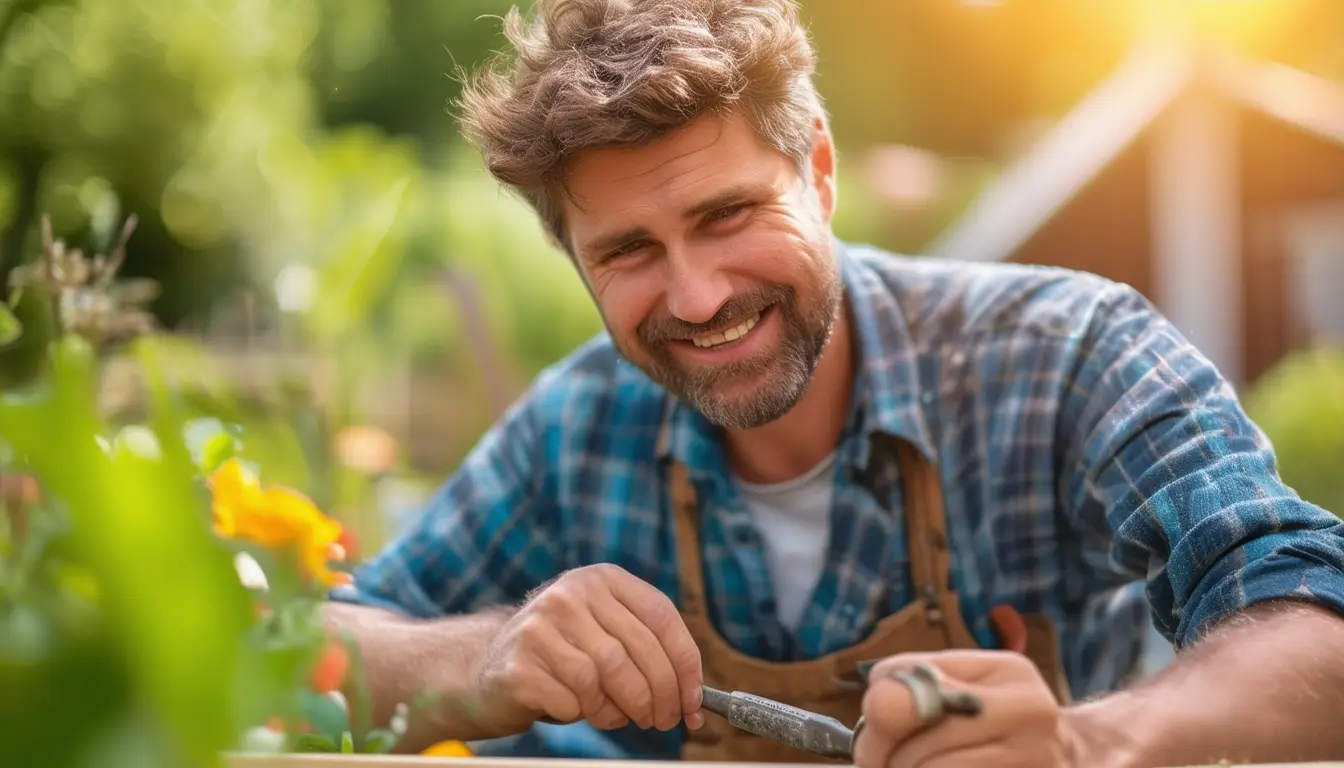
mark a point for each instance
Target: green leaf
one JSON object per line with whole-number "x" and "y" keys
{"x": 347, "y": 744}
{"x": 379, "y": 741}
{"x": 211, "y": 442}
{"x": 26, "y": 635}
{"x": 218, "y": 450}
{"x": 10, "y": 327}
{"x": 363, "y": 263}
{"x": 313, "y": 742}
{"x": 135, "y": 518}
{"x": 325, "y": 715}
{"x": 361, "y": 703}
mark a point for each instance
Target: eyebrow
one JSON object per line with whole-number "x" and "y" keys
{"x": 723, "y": 198}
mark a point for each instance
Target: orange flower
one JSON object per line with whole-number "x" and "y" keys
{"x": 275, "y": 518}
{"x": 448, "y": 749}
{"x": 331, "y": 667}
{"x": 348, "y": 543}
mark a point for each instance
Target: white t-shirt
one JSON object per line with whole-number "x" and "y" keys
{"x": 793, "y": 518}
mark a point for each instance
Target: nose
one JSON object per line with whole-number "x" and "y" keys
{"x": 696, "y": 287}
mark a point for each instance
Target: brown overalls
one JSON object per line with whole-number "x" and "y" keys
{"x": 933, "y": 624}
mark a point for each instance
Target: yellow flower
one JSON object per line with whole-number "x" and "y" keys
{"x": 275, "y": 518}
{"x": 448, "y": 749}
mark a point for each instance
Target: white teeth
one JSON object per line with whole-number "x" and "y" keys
{"x": 732, "y": 334}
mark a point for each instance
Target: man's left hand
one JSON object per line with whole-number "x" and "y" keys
{"x": 1019, "y": 723}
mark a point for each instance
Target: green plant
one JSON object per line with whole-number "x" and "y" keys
{"x": 131, "y": 632}
{"x": 1300, "y": 405}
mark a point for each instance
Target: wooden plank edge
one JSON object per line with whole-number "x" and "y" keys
{"x": 239, "y": 760}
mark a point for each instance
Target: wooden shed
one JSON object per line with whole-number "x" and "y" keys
{"x": 1211, "y": 183}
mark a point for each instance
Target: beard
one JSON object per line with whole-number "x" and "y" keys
{"x": 785, "y": 372}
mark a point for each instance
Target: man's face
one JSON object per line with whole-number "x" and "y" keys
{"x": 710, "y": 259}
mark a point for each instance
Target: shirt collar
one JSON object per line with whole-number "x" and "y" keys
{"x": 886, "y": 396}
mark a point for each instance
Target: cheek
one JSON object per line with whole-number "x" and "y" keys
{"x": 783, "y": 254}
{"x": 626, "y": 297}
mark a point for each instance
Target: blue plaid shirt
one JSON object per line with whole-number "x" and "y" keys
{"x": 1086, "y": 449}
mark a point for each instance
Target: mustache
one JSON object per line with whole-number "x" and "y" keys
{"x": 663, "y": 328}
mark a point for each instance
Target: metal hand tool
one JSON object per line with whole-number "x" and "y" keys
{"x": 824, "y": 735}
{"x": 798, "y": 728}
{"x": 821, "y": 734}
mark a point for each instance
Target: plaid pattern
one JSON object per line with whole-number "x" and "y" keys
{"x": 1086, "y": 450}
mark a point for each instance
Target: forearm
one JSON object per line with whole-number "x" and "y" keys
{"x": 405, "y": 658}
{"x": 1264, "y": 687}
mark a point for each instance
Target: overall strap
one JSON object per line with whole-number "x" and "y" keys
{"x": 926, "y": 528}
{"x": 686, "y": 514}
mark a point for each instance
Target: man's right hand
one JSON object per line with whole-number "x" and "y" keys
{"x": 596, "y": 644}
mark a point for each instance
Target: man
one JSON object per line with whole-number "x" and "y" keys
{"x": 789, "y": 455}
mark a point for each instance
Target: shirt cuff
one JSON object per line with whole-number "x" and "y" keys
{"x": 387, "y": 584}
{"x": 580, "y": 741}
{"x": 1304, "y": 566}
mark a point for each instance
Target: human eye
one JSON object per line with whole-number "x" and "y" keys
{"x": 623, "y": 250}
{"x": 726, "y": 213}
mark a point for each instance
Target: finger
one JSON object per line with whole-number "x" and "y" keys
{"x": 872, "y": 749}
{"x": 889, "y": 706}
{"x": 655, "y": 611}
{"x": 543, "y": 692}
{"x": 910, "y": 743}
{"x": 648, "y": 655}
{"x": 609, "y": 718}
{"x": 1008, "y": 715}
{"x": 577, "y": 672}
{"x": 992, "y": 755}
{"x": 970, "y": 666}
{"x": 618, "y": 675}
{"x": 951, "y": 737}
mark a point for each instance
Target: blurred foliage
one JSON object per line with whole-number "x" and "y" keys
{"x": 220, "y": 124}
{"x": 131, "y": 632}
{"x": 1300, "y": 405}
{"x": 157, "y": 106}
{"x": 123, "y": 620}
{"x": 303, "y": 195}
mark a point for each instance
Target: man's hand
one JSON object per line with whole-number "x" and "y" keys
{"x": 596, "y": 644}
{"x": 1019, "y": 724}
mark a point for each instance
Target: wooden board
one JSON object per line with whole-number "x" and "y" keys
{"x": 382, "y": 761}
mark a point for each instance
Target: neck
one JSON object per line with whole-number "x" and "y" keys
{"x": 800, "y": 439}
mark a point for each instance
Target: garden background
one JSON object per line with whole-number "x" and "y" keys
{"x": 342, "y": 285}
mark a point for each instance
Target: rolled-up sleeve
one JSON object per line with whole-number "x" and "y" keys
{"x": 485, "y": 538}
{"x": 1169, "y": 480}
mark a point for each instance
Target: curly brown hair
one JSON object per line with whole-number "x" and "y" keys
{"x": 614, "y": 73}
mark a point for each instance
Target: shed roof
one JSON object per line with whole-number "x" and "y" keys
{"x": 1112, "y": 118}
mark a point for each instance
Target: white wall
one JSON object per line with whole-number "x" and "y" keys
{"x": 1314, "y": 244}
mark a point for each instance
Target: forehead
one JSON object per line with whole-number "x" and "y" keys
{"x": 710, "y": 153}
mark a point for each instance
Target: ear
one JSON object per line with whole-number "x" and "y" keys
{"x": 823, "y": 167}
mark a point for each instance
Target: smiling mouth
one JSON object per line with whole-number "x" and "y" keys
{"x": 726, "y": 336}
